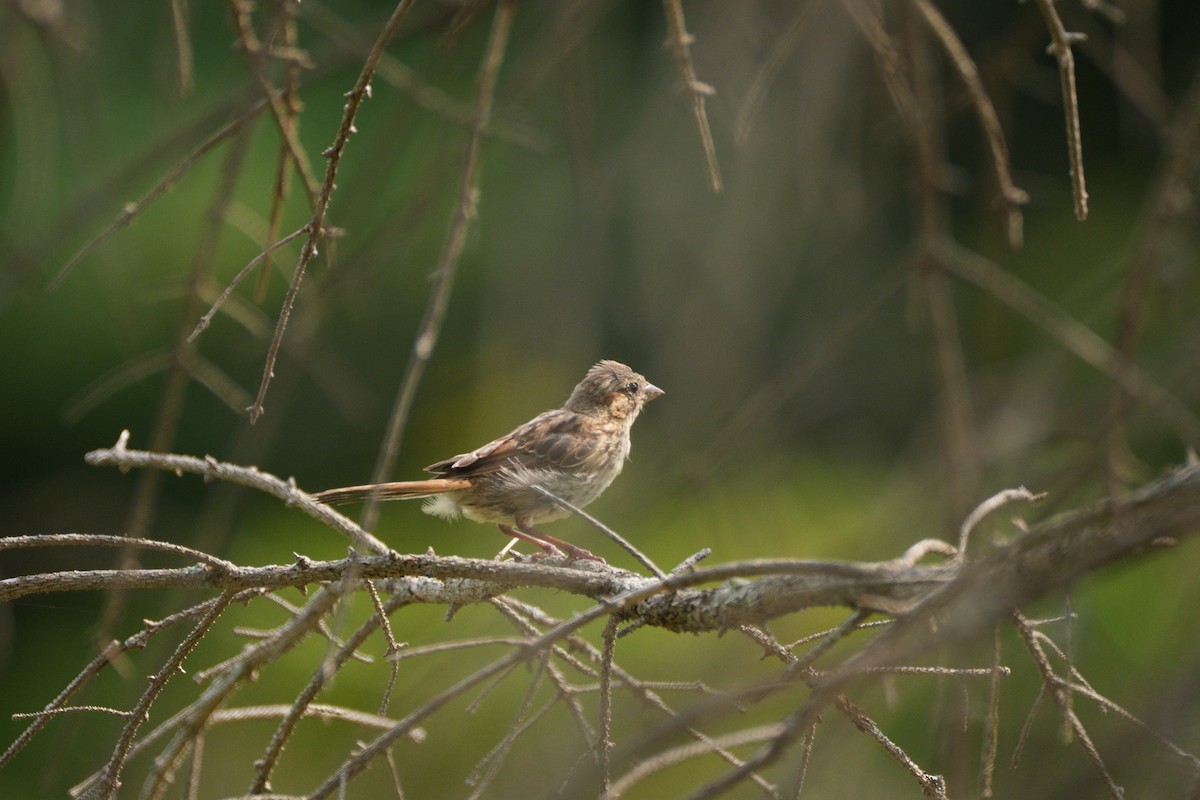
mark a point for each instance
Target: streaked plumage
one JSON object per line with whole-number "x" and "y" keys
{"x": 573, "y": 452}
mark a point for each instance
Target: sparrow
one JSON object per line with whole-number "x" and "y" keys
{"x": 573, "y": 453}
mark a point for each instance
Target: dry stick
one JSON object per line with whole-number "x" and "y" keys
{"x": 109, "y": 779}
{"x": 932, "y": 785}
{"x": 207, "y": 319}
{"x": 991, "y": 730}
{"x": 195, "y": 764}
{"x": 1012, "y": 196}
{"x": 291, "y": 121}
{"x": 131, "y": 210}
{"x": 604, "y": 744}
{"x": 183, "y": 46}
{"x": 1081, "y": 687}
{"x": 359, "y": 761}
{"x": 192, "y": 720}
{"x": 1075, "y": 337}
{"x": 316, "y": 225}
{"x": 447, "y": 265}
{"x": 121, "y": 456}
{"x": 1058, "y": 695}
{"x": 992, "y": 504}
{"x": 97, "y": 664}
{"x": 680, "y": 41}
{"x": 677, "y": 755}
{"x": 252, "y": 51}
{"x": 1060, "y": 47}
{"x": 607, "y": 531}
{"x": 116, "y": 712}
{"x": 425, "y": 95}
{"x": 100, "y": 540}
{"x": 300, "y": 706}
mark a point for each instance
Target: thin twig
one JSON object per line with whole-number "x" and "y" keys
{"x": 316, "y": 225}
{"x": 604, "y": 744}
{"x": 183, "y": 46}
{"x": 991, "y": 728}
{"x": 680, "y": 41}
{"x": 607, "y": 531}
{"x": 102, "y": 660}
{"x": 132, "y": 210}
{"x": 1060, "y": 48}
{"x": 1059, "y": 696}
{"x": 100, "y": 540}
{"x": 207, "y": 319}
{"x": 324, "y": 673}
{"x": 121, "y": 456}
{"x": 1010, "y": 195}
{"x": 290, "y": 104}
{"x": 993, "y": 503}
{"x": 770, "y": 68}
{"x": 110, "y": 777}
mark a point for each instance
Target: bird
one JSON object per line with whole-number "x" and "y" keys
{"x": 572, "y": 453}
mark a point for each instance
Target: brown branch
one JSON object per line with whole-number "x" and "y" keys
{"x": 183, "y": 46}
{"x": 301, "y": 706}
{"x": 290, "y": 121}
{"x": 210, "y": 468}
{"x": 680, "y": 41}
{"x": 1061, "y": 697}
{"x": 316, "y": 225}
{"x": 102, "y": 660}
{"x": 132, "y": 210}
{"x": 1060, "y": 48}
{"x": 107, "y": 781}
{"x": 1010, "y": 195}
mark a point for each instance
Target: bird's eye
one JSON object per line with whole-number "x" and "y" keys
{"x": 632, "y": 387}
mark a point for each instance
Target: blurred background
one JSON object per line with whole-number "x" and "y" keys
{"x": 838, "y": 384}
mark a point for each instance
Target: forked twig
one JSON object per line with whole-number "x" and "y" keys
{"x": 316, "y": 225}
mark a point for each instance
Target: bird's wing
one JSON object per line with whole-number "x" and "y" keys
{"x": 553, "y": 439}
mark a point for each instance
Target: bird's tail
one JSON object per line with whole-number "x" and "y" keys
{"x": 399, "y": 490}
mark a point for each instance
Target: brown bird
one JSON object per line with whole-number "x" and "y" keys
{"x": 573, "y": 452}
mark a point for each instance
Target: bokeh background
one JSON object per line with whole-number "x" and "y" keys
{"x": 808, "y": 414}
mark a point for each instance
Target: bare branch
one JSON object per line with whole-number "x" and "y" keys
{"x": 316, "y": 225}
{"x": 680, "y": 42}
{"x": 1060, "y": 47}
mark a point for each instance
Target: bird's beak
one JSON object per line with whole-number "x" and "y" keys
{"x": 653, "y": 391}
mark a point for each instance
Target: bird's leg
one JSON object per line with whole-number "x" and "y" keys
{"x": 549, "y": 548}
{"x": 551, "y": 545}
{"x": 544, "y": 539}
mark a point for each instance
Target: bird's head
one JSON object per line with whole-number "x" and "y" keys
{"x": 612, "y": 389}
